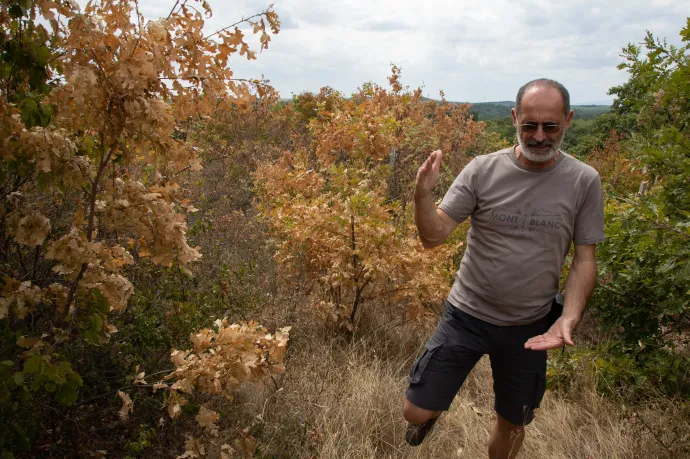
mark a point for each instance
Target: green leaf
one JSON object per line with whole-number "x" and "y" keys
{"x": 54, "y": 374}
{"x": 90, "y": 336}
{"x": 29, "y": 108}
{"x": 19, "y": 378}
{"x": 67, "y": 395}
{"x": 37, "y": 80}
{"x": 101, "y": 302}
{"x": 75, "y": 379}
{"x": 42, "y": 55}
{"x": 33, "y": 364}
{"x": 46, "y": 115}
{"x": 96, "y": 322}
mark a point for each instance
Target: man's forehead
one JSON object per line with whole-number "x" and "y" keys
{"x": 542, "y": 99}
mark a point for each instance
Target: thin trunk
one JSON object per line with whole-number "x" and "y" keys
{"x": 358, "y": 301}
{"x": 89, "y": 230}
{"x": 358, "y": 292}
{"x": 354, "y": 254}
{"x": 355, "y": 306}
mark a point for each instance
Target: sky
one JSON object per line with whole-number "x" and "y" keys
{"x": 473, "y": 50}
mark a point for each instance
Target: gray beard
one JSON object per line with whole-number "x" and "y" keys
{"x": 541, "y": 157}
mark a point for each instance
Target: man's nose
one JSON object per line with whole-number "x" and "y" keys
{"x": 539, "y": 135}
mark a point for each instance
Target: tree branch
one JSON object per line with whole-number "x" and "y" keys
{"x": 354, "y": 253}
{"x": 177, "y": 2}
{"x": 237, "y": 23}
{"x": 358, "y": 301}
{"x": 105, "y": 159}
{"x": 193, "y": 77}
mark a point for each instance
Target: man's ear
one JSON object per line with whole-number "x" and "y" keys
{"x": 569, "y": 119}
{"x": 514, "y": 115}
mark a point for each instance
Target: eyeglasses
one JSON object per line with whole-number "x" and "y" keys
{"x": 549, "y": 128}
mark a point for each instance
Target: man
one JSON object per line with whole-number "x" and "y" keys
{"x": 527, "y": 204}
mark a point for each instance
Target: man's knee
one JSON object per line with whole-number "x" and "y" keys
{"x": 416, "y": 415}
{"x": 506, "y": 426}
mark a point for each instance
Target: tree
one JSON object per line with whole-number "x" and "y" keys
{"x": 645, "y": 265}
{"x": 341, "y": 214}
{"x": 89, "y": 126}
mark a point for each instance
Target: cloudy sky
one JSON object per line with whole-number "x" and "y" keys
{"x": 474, "y": 50}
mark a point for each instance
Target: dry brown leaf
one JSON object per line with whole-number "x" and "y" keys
{"x": 207, "y": 419}
{"x": 33, "y": 229}
{"x": 224, "y": 359}
{"x": 193, "y": 448}
{"x": 245, "y": 446}
{"x": 175, "y": 404}
{"x": 226, "y": 452}
{"x": 139, "y": 376}
{"x": 27, "y": 342}
{"x": 159, "y": 385}
{"x": 127, "y": 405}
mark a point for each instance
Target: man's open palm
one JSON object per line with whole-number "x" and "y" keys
{"x": 557, "y": 336}
{"x": 427, "y": 175}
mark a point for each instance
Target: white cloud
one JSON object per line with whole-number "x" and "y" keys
{"x": 474, "y": 50}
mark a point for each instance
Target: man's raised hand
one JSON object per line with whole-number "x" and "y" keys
{"x": 428, "y": 173}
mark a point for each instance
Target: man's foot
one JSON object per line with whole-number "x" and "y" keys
{"x": 416, "y": 432}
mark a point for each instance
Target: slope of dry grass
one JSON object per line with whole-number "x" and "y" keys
{"x": 342, "y": 399}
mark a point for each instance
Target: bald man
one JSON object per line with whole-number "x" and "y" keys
{"x": 527, "y": 204}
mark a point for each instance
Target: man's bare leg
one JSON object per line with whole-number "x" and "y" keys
{"x": 416, "y": 415}
{"x": 420, "y": 421}
{"x": 506, "y": 439}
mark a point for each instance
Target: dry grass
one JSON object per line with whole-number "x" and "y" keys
{"x": 343, "y": 399}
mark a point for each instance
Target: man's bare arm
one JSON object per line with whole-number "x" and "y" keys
{"x": 578, "y": 289}
{"x": 581, "y": 281}
{"x": 433, "y": 224}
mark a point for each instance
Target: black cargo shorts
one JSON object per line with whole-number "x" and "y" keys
{"x": 459, "y": 342}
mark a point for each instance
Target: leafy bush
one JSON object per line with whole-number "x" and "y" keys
{"x": 644, "y": 296}
{"x": 90, "y": 114}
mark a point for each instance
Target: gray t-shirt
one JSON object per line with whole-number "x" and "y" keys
{"x": 522, "y": 223}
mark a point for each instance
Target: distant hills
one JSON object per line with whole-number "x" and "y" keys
{"x": 485, "y": 111}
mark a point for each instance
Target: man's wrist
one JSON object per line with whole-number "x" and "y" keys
{"x": 573, "y": 306}
{"x": 572, "y": 316}
{"x": 420, "y": 195}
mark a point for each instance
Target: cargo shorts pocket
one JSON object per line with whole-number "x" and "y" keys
{"x": 419, "y": 366}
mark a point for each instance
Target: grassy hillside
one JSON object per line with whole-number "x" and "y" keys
{"x": 345, "y": 401}
{"x": 485, "y": 111}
